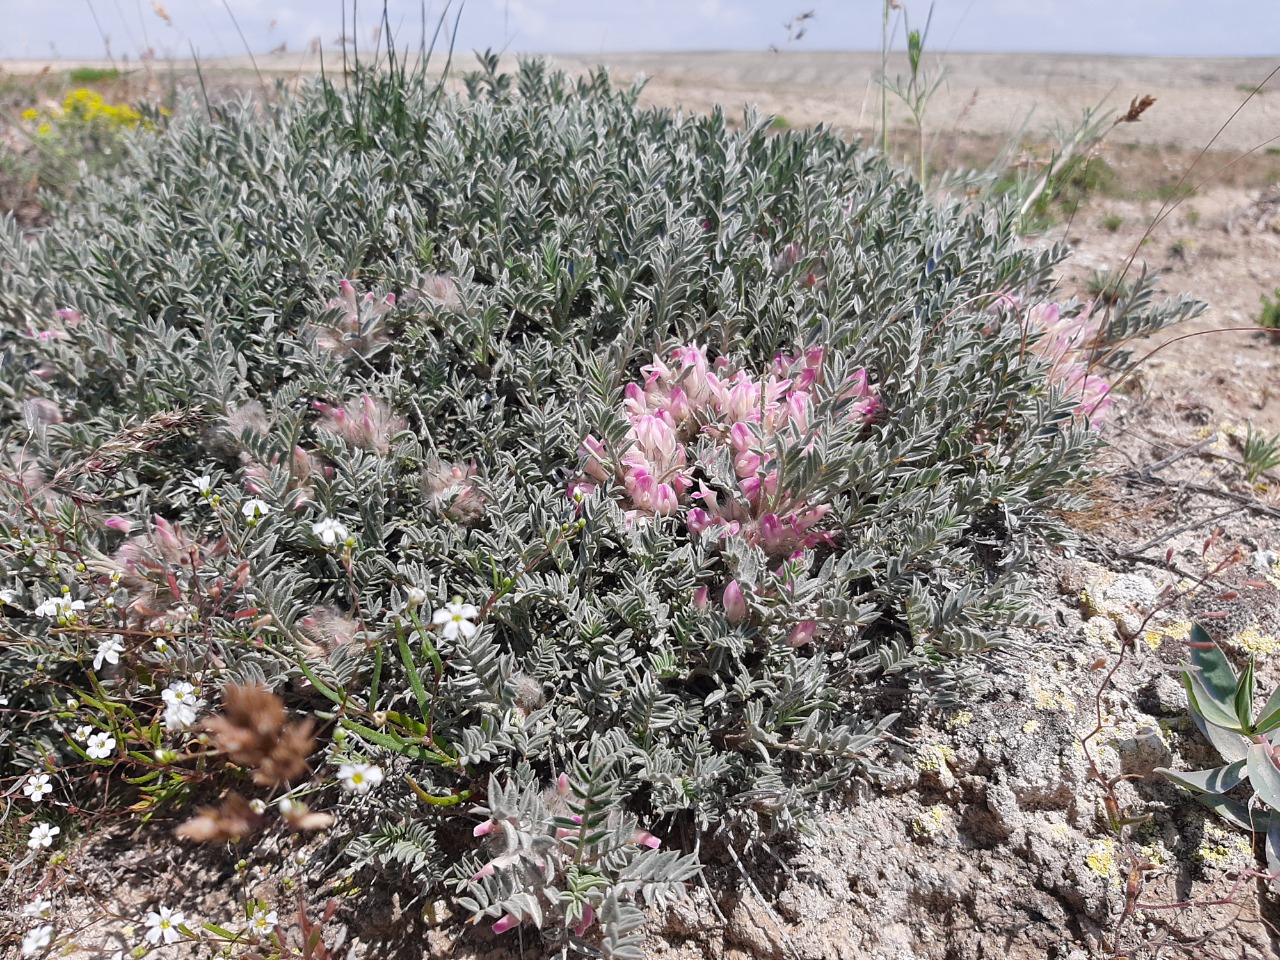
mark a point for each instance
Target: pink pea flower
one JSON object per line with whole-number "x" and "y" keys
{"x": 506, "y": 923}
{"x": 735, "y": 604}
{"x": 588, "y": 918}
{"x": 802, "y": 633}
{"x": 644, "y": 838}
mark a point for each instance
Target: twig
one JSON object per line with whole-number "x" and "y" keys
{"x": 1170, "y": 534}
{"x": 1252, "y": 504}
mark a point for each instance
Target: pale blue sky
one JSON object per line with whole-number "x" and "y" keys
{"x": 73, "y": 28}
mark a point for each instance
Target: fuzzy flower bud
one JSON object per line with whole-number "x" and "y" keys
{"x": 735, "y": 604}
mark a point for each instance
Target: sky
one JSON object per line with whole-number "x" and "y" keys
{"x": 76, "y": 28}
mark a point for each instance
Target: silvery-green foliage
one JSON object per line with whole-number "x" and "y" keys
{"x": 543, "y": 238}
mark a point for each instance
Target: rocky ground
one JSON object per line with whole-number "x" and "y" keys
{"x": 994, "y": 832}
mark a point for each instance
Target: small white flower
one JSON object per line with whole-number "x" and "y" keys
{"x": 330, "y": 531}
{"x": 101, "y": 746}
{"x": 258, "y": 805}
{"x": 4, "y": 701}
{"x": 456, "y": 618}
{"x": 37, "y": 786}
{"x": 62, "y": 609}
{"x": 73, "y": 703}
{"x": 163, "y": 925}
{"x": 161, "y": 645}
{"x": 182, "y": 703}
{"x": 262, "y": 922}
{"x": 7, "y": 597}
{"x": 415, "y": 596}
{"x": 83, "y": 732}
{"x": 42, "y": 835}
{"x": 254, "y": 510}
{"x": 203, "y": 485}
{"x": 109, "y": 650}
{"x": 37, "y": 940}
{"x": 38, "y": 909}
{"x": 359, "y": 777}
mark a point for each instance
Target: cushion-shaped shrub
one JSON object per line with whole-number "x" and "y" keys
{"x": 592, "y": 471}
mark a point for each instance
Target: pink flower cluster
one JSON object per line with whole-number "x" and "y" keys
{"x": 360, "y": 325}
{"x": 365, "y": 422}
{"x": 1068, "y": 344}
{"x": 687, "y": 399}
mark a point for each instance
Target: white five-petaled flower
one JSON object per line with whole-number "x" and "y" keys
{"x": 163, "y": 925}
{"x": 7, "y": 597}
{"x": 359, "y": 777}
{"x": 101, "y": 746}
{"x": 109, "y": 650}
{"x": 456, "y": 618}
{"x": 42, "y": 835}
{"x": 255, "y": 509}
{"x": 37, "y": 941}
{"x": 37, "y": 786}
{"x": 37, "y": 909}
{"x": 182, "y": 703}
{"x": 415, "y": 596}
{"x": 262, "y": 922}
{"x": 330, "y": 531}
{"x": 83, "y": 732}
{"x": 63, "y": 609}
{"x": 203, "y": 485}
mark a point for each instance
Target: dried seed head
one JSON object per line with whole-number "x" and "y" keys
{"x": 252, "y": 731}
{"x": 1137, "y": 107}
{"x": 232, "y": 819}
{"x": 298, "y": 816}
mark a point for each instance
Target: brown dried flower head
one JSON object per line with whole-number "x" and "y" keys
{"x": 252, "y": 730}
{"x": 298, "y": 816}
{"x": 231, "y": 820}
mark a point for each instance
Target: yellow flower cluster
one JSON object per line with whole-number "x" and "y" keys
{"x": 86, "y": 106}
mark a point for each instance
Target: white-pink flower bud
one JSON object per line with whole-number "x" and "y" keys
{"x": 802, "y": 633}
{"x": 735, "y": 604}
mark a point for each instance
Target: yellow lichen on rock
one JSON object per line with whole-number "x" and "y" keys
{"x": 930, "y": 821}
{"x": 1101, "y": 859}
{"x": 1257, "y": 642}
